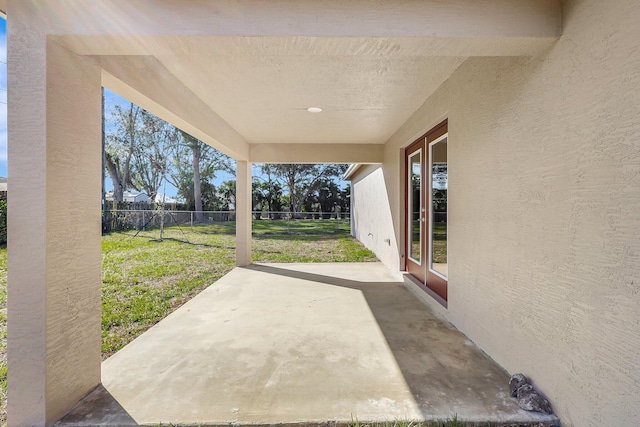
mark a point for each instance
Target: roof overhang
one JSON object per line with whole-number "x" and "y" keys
{"x": 353, "y": 168}
{"x": 240, "y": 74}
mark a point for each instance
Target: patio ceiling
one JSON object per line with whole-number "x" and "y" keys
{"x": 242, "y": 74}
{"x": 364, "y": 98}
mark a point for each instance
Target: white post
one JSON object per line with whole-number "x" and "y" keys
{"x": 243, "y": 213}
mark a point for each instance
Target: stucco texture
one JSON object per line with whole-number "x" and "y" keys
{"x": 372, "y": 222}
{"x": 55, "y": 260}
{"x": 544, "y": 195}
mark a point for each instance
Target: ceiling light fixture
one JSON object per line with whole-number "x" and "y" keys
{"x": 314, "y": 109}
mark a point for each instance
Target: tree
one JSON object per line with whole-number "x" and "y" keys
{"x": 345, "y": 198}
{"x": 136, "y": 147}
{"x": 195, "y": 163}
{"x": 227, "y": 194}
{"x": 301, "y": 179}
{"x": 210, "y": 199}
{"x": 267, "y": 195}
{"x": 197, "y": 149}
{"x": 267, "y": 192}
{"x": 120, "y": 145}
{"x": 151, "y": 153}
{"x": 328, "y": 195}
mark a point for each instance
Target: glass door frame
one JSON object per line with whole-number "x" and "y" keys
{"x": 430, "y": 217}
{"x": 416, "y": 268}
{"x": 433, "y": 283}
{"x": 410, "y": 202}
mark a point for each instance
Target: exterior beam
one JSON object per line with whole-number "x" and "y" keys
{"x": 168, "y": 48}
{"x": 318, "y": 18}
{"x": 243, "y": 213}
{"x": 317, "y": 153}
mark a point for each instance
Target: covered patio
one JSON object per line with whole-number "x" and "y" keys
{"x": 301, "y": 344}
{"x": 540, "y": 100}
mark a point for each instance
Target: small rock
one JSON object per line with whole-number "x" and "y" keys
{"x": 517, "y": 381}
{"x": 530, "y": 400}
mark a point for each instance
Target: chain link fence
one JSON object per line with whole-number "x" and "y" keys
{"x": 123, "y": 220}
{"x": 3, "y": 222}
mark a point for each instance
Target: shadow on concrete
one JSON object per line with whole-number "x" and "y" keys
{"x": 99, "y": 404}
{"x": 447, "y": 374}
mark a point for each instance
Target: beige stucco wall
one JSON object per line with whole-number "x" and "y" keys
{"x": 372, "y": 223}
{"x": 544, "y": 188}
{"x": 54, "y": 273}
{"x": 243, "y": 213}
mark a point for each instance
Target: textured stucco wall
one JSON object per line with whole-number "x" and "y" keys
{"x": 26, "y": 311}
{"x": 243, "y": 213}
{"x": 371, "y": 215}
{"x": 54, "y": 226}
{"x": 544, "y": 237}
{"x": 74, "y": 250}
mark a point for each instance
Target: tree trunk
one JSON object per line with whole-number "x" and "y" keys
{"x": 118, "y": 166}
{"x": 118, "y": 187}
{"x": 292, "y": 193}
{"x": 126, "y": 173}
{"x": 197, "y": 192}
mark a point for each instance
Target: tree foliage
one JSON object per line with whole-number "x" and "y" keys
{"x": 300, "y": 180}
{"x": 142, "y": 150}
{"x": 151, "y": 153}
{"x": 136, "y": 147}
{"x": 195, "y": 165}
{"x": 326, "y": 196}
{"x": 227, "y": 195}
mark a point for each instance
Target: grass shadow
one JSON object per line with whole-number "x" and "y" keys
{"x": 187, "y": 242}
{"x": 303, "y": 237}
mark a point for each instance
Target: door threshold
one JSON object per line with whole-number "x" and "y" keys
{"x": 411, "y": 280}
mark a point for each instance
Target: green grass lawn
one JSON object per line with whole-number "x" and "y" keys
{"x": 144, "y": 280}
{"x": 440, "y": 242}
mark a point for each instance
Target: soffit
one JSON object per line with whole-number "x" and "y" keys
{"x": 365, "y": 98}
{"x": 262, "y": 87}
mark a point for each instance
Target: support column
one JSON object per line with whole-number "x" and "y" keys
{"x": 54, "y": 226}
{"x": 243, "y": 213}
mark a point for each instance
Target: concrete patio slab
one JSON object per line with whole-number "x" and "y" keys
{"x": 301, "y": 343}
